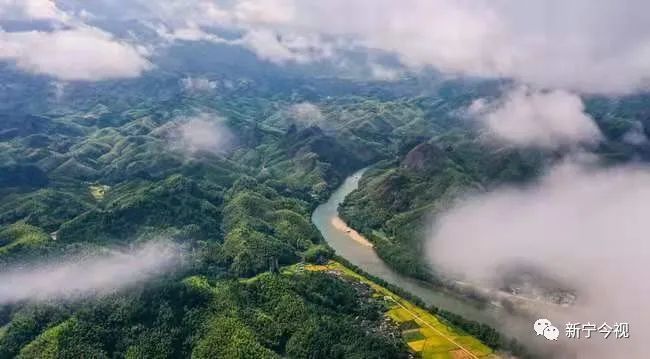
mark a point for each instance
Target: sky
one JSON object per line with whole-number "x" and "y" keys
{"x": 580, "y": 215}
{"x": 553, "y": 51}
{"x": 581, "y": 45}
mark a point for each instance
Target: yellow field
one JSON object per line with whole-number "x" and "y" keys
{"x": 425, "y": 334}
{"x": 98, "y": 191}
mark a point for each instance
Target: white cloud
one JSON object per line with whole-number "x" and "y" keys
{"x": 575, "y": 45}
{"x": 199, "y": 84}
{"x": 306, "y": 113}
{"x": 192, "y": 34}
{"x": 582, "y": 225}
{"x": 189, "y": 32}
{"x": 384, "y": 73}
{"x": 281, "y": 48}
{"x": 267, "y": 45}
{"x": 579, "y": 45}
{"x": 183, "y": 13}
{"x": 99, "y": 274}
{"x": 72, "y": 50}
{"x": 84, "y": 54}
{"x": 58, "y": 90}
{"x": 540, "y": 119}
{"x": 635, "y": 135}
{"x": 265, "y": 11}
{"x": 201, "y": 133}
{"x": 30, "y": 10}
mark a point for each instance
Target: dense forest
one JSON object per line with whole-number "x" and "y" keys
{"x": 399, "y": 197}
{"x": 164, "y": 164}
{"x": 110, "y": 168}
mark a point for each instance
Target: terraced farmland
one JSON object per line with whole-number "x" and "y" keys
{"x": 427, "y": 336}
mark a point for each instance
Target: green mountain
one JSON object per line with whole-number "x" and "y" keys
{"x": 113, "y": 165}
{"x": 398, "y": 198}
{"x": 106, "y": 169}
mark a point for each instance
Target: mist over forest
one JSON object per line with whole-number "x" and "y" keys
{"x": 161, "y": 162}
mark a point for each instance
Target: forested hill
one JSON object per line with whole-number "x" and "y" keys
{"x": 231, "y": 176}
{"x": 229, "y": 166}
{"x": 399, "y": 198}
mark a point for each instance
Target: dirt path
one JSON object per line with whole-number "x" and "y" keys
{"x": 354, "y": 235}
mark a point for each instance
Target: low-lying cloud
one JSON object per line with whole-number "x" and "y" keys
{"x": 635, "y": 135}
{"x": 96, "y": 275}
{"x": 525, "y": 117}
{"x": 306, "y": 113}
{"x": 384, "y": 73}
{"x": 201, "y": 133}
{"x": 290, "y": 47}
{"x": 199, "y": 85}
{"x": 581, "y": 225}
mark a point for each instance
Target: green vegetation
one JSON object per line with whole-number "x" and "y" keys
{"x": 486, "y": 334}
{"x": 425, "y": 333}
{"x": 397, "y": 198}
{"x": 302, "y": 315}
{"x": 101, "y": 168}
{"x": 21, "y": 240}
{"x": 90, "y": 176}
{"x": 98, "y": 191}
{"x": 319, "y": 254}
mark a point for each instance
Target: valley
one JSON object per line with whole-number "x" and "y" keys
{"x": 249, "y": 168}
{"x": 366, "y": 259}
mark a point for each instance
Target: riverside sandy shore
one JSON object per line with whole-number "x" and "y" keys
{"x": 354, "y": 235}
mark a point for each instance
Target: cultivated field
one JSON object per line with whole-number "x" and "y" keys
{"x": 426, "y": 335}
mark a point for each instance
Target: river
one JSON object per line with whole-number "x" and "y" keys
{"x": 367, "y": 259}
